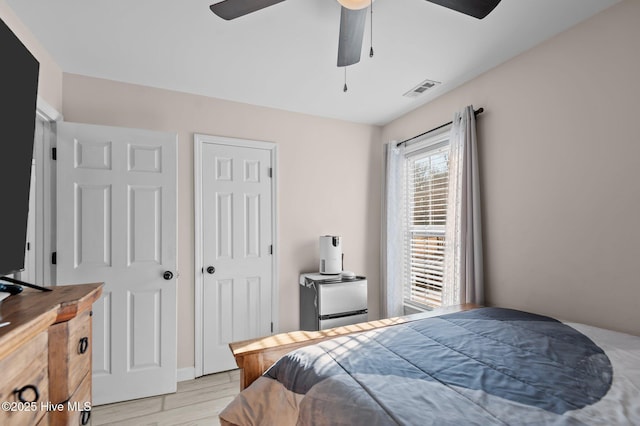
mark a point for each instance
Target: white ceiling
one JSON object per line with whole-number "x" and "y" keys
{"x": 285, "y": 56}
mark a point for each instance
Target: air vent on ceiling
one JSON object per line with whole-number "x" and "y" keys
{"x": 421, "y": 88}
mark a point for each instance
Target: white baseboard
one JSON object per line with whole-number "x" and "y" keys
{"x": 188, "y": 373}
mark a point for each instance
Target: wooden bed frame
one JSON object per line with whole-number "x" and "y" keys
{"x": 255, "y": 356}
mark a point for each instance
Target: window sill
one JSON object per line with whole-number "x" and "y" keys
{"x": 410, "y": 309}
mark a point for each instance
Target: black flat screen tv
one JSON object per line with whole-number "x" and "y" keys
{"x": 18, "y": 92}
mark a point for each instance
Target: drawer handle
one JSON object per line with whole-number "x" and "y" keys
{"x": 22, "y": 390}
{"x": 83, "y": 345}
{"x": 84, "y": 417}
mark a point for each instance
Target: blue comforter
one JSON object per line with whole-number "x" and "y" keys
{"x": 485, "y": 366}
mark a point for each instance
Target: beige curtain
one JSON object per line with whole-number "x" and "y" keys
{"x": 392, "y": 232}
{"x": 463, "y": 271}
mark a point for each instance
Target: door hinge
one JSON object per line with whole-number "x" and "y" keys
{"x": 272, "y": 327}
{"x": 54, "y": 258}
{"x": 54, "y": 153}
{"x": 271, "y": 249}
{"x": 270, "y": 171}
{"x": 28, "y": 246}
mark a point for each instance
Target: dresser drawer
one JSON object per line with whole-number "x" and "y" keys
{"x": 25, "y": 375}
{"x": 70, "y": 351}
{"x": 79, "y": 349}
{"x": 44, "y": 421}
{"x": 77, "y": 411}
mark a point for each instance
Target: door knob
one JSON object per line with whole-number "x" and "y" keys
{"x": 167, "y": 275}
{"x": 211, "y": 270}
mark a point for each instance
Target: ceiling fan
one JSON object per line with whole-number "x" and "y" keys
{"x": 352, "y": 19}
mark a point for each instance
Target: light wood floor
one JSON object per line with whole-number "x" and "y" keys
{"x": 197, "y": 403}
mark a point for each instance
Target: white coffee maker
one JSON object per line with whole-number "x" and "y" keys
{"x": 330, "y": 254}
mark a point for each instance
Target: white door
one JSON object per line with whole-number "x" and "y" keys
{"x": 29, "y": 272}
{"x": 237, "y": 238}
{"x": 116, "y": 223}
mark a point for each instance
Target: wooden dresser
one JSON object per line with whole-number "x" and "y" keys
{"x": 45, "y": 356}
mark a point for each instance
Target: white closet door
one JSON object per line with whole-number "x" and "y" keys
{"x": 236, "y": 249}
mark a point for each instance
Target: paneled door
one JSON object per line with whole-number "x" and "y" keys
{"x": 237, "y": 237}
{"x": 116, "y": 223}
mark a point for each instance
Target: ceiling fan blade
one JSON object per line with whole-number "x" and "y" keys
{"x": 351, "y": 33}
{"x": 476, "y": 8}
{"x": 232, "y": 9}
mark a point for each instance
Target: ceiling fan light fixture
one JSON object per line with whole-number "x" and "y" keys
{"x": 355, "y": 4}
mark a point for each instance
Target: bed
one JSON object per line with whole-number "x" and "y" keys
{"x": 478, "y": 367}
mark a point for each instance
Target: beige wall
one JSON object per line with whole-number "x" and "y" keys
{"x": 50, "y": 78}
{"x": 560, "y": 155}
{"x": 328, "y": 179}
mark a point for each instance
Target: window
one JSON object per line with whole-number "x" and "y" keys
{"x": 427, "y": 181}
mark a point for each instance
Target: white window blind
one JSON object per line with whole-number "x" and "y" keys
{"x": 427, "y": 192}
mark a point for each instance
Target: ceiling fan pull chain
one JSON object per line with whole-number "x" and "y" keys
{"x": 371, "y": 50}
{"x": 345, "y": 80}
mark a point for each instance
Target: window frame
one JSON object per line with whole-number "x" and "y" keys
{"x": 425, "y": 146}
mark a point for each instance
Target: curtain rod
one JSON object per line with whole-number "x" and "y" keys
{"x": 476, "y": 112}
